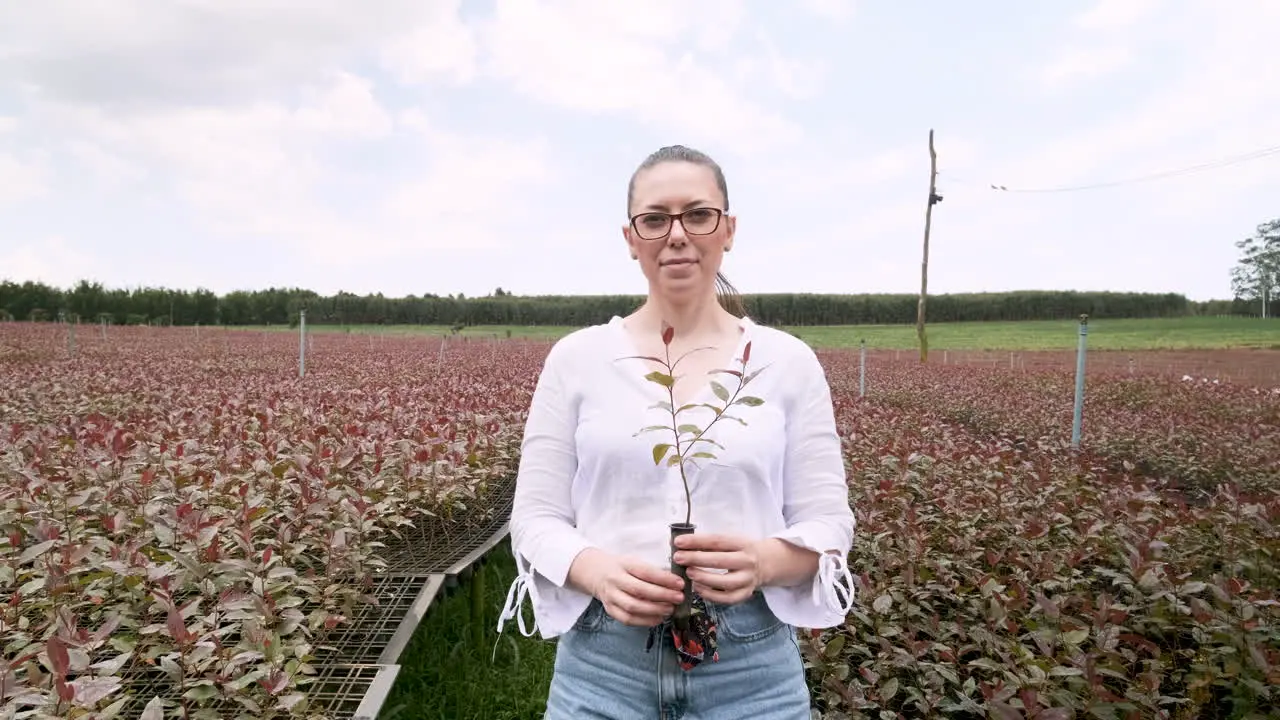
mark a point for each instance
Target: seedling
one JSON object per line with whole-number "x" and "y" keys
{"x": 686, "y": 437}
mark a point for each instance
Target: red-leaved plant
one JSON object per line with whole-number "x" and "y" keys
{"x": 685, "y": 436}
{"x": 187, "y": 530}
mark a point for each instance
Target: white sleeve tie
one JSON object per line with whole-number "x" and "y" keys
{"x": 828, "y": 589}
{"x": 520, "y": 587}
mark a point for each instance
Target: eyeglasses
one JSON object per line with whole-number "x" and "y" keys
{"x": 657, "y": 225}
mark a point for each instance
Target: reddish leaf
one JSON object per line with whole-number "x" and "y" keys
{"x": 176, "y": 626}
{"x": 58, "y": 656}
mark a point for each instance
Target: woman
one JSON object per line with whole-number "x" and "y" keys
{"x": 590, "y": 524}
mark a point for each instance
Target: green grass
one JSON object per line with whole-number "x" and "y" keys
{"x": 1209, "y": 333}
{"x": 447, "y": 673}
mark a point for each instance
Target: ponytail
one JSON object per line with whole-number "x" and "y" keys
{"x": 729, "y": 297}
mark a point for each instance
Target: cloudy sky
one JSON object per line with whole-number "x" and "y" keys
{"x": 443, "y": 146}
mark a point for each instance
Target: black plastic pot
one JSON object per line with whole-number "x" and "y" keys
{"x": 680, "y": 618}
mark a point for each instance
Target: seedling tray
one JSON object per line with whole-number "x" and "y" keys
{"x": 448, "y": 546}
{"x": 378, "y": 633}
{"x": 348, "y": 691}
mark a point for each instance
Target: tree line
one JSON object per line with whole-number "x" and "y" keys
{"x": 1256, "y": 276}
{"x": 92, "y": 303}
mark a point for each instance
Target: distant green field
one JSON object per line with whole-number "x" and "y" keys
{"x": 1172, "y": 333}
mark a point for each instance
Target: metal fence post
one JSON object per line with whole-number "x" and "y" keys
{"x": 862, "y": 370}
{"x": 1078, "y": 412}
{"x": 302, "y": 344}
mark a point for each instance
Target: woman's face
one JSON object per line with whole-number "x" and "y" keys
{"x": 679, "y": 256}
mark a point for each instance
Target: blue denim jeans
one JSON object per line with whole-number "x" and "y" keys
{"x": 602, "y": 670}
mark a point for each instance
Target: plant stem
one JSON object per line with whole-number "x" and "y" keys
{"x": 675, "y": 430}
{"x": 675, "y": 427}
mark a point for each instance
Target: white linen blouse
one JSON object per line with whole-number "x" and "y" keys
{"x": 587, "y": 479}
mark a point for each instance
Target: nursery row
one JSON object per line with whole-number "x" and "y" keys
{"x": 181, "y": 507}
{"x": 191, "y": 518}
{"x": 1011, "y": 578}
{"x": 1195, "y": 434}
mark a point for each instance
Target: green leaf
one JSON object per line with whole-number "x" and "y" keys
{"x": 703, "y": 454}
{"x": 1192, "y": 588}
{"x": 834, "y": 647}
{"x": 201, "y": 692}
{"x": 660, "y": 378}
{"x": 643, "y": 357}
{"x": 987, "y": 664}
{"x": 1075, "y": 637}
{"x": 650, "y": 428}
{"x": 36, "y": 551}
{"x": 749, "y": 401}
{"x": 692, "y": 429}
{"x": 706, "y": 440}
{"x": 660, "y": 451}
{"x": 720, "y": 391}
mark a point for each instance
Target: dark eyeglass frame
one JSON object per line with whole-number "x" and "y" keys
{"x": 671, "y": 222}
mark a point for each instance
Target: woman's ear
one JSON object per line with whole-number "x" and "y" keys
{"x": 631, "y": 244}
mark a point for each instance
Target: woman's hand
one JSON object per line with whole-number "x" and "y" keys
{"x": 725, "y": 569}
{"x": 632, "y": 591}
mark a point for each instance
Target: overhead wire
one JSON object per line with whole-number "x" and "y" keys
{"x": 1200, "y": 167}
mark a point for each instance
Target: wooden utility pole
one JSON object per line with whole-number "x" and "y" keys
{"x": 934, "y": 197}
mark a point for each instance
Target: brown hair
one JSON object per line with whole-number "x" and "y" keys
{"x": 729, "y": 297}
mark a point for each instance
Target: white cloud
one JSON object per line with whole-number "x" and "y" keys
{"x": 52, "y": 261}
{"x": 440, "y": 47}
{"x": 22, "y": 177}
{"x": 258, "y": 169}
{"x": 1222, "y": 104}
{"x": 836, "y": 10}
{"x": 632, "y": 59}
{"x": 793, "y": 76}
{"x": 1102, "y": 43}
{"x": 1108, "y": 15}
{"x": 1085, "y": 62}
{"x": 386, "y": 146}
{"x": 347, "y": 107}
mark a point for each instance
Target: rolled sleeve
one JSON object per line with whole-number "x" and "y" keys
{"x": 816, "y": 506}
{"x": 543, "y": 528}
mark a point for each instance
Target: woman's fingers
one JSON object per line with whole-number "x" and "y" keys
{"x": 721, "y": 581}
{"x": 723, "y": 597}
{"x": 654, "y": 583}
{"x": 725, "y": 588}
{"x": 642, "y": 595}
{"x": 629, "y": 610}
{"x": 733, "y": 560}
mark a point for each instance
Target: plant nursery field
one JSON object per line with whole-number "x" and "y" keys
{"x": 1191, "y": 333}
{"x": 190, "y": 529}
